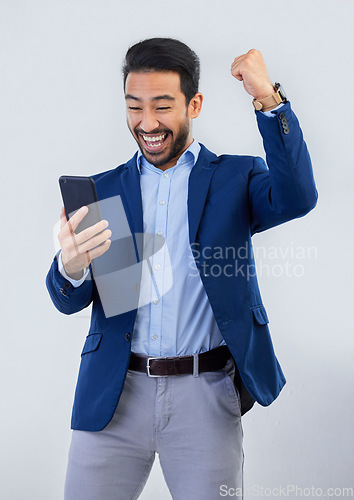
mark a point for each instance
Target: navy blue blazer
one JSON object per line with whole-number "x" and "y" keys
{"x": 229, "y": 199}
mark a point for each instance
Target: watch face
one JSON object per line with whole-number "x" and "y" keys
{"x": 280, "y": 89}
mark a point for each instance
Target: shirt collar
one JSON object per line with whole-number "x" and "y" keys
{"x": 190, "y": 155}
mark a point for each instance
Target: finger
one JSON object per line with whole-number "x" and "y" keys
{"x": 64, "y": 232}
{"x": 63, "y": 220}
{"x": 238, "y": 77}
{"x": 78, "y": 216}
{"x": 96, "y": 252}
{"x": 70, "y": 225}
{"x": 236, "y": 68}
{"x": 95, "y": 241}
{"x": 91, "y": 231}
{"x": 235, "y": 71}
{"x": 238, "y": 59}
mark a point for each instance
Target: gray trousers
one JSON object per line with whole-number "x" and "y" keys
{"x": 192, "y": 422}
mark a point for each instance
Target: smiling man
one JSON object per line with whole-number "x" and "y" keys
{"x": 175, "y": 375}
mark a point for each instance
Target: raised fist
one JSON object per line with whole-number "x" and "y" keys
{"x": 250, "y": 69}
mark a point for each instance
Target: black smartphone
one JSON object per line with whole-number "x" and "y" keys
{"x": 76, "y": 192}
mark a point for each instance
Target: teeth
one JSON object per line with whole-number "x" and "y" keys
{"x": 156, "y": 138}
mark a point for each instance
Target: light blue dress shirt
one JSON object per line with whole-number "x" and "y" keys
{"x": 179, "y": 322}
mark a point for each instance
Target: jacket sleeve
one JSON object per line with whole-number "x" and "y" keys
{"x": 284, "y": 188}
{"x": 66, "y": 298}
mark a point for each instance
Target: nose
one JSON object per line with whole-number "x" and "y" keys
{"x": 149, "y": 122}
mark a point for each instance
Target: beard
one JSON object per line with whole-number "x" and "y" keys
{"x": 175, "y": 149}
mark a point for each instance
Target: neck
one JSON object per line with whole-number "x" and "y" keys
{"x": 174, "y": 160}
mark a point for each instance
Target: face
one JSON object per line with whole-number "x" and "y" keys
{"x": 158, "y": 117}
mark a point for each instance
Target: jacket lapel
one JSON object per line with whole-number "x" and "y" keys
{"x": 199, "y": 181}
{"x": 198, "y": 186}
{"x": 132, "y": 202}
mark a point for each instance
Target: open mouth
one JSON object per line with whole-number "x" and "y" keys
{"x": 154, "y": 143}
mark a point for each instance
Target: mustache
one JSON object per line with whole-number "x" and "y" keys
{"x": 155, "y": 131}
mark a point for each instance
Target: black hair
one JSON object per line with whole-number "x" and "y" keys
{"x": 165, "y": 54}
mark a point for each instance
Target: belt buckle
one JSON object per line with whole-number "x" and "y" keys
{"x": 148, "y": 367}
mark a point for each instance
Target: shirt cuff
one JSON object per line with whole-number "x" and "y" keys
{"x": 75, "y": 283}
{"x": 270, "y": 113}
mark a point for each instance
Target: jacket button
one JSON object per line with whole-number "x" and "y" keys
{"x": 67, "y": 285}
{"x": 285, "y": 127}
{"x": 284, "y": 123}
{"x": 127, "y": 336}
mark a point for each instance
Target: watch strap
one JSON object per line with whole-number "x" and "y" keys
{"x": 268, "y": 102}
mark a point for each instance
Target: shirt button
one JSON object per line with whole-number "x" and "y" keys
{"x": 127, "y": 336}
{"x": 159, "y": 233}
{"x": 162, "y": 202}
{"x": 156, "y": 301}
{"x": 154, "y": 337}
{"x": 157, "y": 266}
{"x": 165, "y": 175}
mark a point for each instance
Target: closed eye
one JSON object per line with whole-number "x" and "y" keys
{"x": 162, "y": 108}
{"x": 134, "y": 108}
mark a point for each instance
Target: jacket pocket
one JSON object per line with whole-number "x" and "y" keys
{"x": 92, "y": 342}
{"x": 260, "y": 314}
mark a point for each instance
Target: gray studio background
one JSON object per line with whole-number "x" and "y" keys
{"x": 62, "y": 112}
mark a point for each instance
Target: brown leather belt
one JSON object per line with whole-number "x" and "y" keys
{"x": 162, "y": 367}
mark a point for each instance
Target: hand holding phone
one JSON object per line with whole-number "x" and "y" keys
{"x": 83, "y": 235}
{"x": 78, "y": 250}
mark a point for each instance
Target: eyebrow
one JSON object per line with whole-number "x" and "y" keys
{"x": 165, "y": 97}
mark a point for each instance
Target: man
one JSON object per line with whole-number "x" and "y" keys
{"x": 175, "y": 375}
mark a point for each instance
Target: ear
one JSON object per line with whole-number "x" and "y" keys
{"x": 195, "y": 105}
